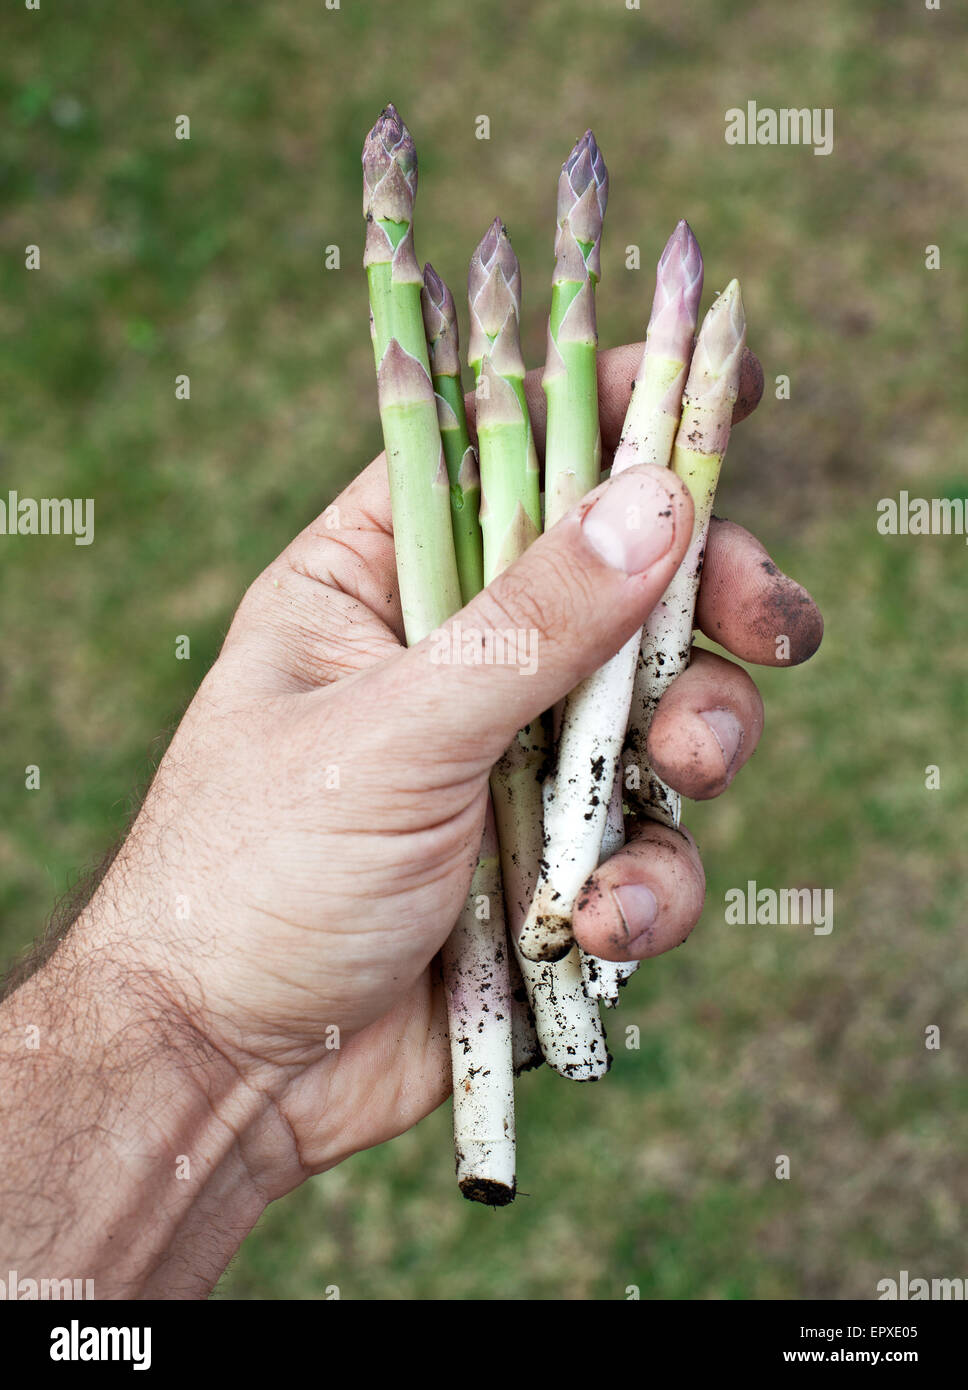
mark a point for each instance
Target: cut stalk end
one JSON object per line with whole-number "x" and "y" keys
{"x": 487, "y": 1191}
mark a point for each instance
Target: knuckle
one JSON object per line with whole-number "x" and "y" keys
{"x": 542, "y": 598}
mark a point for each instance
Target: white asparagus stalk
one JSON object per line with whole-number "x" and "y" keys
{"x": 596, "y": 712}
{"x": 697, "y": 456}
{"x": 568, "y": 1025}
{"x": 526, "y": 1051}
{"x": 567, "y": 1022}
{"x": 475, "y": 961}
{"x": 577, "y": 796}
{"x": 605, "y": 978}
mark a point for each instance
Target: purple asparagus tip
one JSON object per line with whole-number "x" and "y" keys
{"x": 682, "y": 244}
{"x": 392, "y": 126}
{"x": 494, "y": 254}
{"x": 493, "y": 288}
{"x": 585, "y": 165}
{"x": 440, "y": 324}
{"x": 490, "y": 241}
{"x": 389, "y": 169}
{"x": 582, "y": 198}
{"x": 678, "y": 290}
{"x": 436, "y": 289}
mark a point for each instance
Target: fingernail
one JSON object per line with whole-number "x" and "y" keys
{"x": 638, "y": 909}
{"x": 632, "y": 524}
{"x": 728, "y": 731}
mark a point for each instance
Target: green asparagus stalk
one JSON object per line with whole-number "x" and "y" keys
{"x": 475, "y": 956}
{"x": 596, "y": 712}
{"x": 511, "y": 500}
{"x": 419, "y": 485}
{"x": 573, "y": 447}
{"x": 567, "y": 1022}
{"x": 440, "y": 323}
{"x": 697, "y": 456}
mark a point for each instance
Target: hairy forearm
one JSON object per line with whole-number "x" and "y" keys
{"x": 131, "y": 1151}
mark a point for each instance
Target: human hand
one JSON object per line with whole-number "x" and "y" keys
{"x": 309, "y": 838}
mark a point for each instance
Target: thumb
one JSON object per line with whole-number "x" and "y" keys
{"x": 550, "y": 619}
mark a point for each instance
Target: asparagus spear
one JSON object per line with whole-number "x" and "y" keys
{"x": 697, "y": 456}
{"x": 419, "y": 488}
{"x": 510, "y": 497}
{"x": 655, "y": 406}
{"x": 647, "y": 437}
{"x": 440, "y": 323}
{"x": 475, "y": 958}
{"x": 595, "y": 714}
{"x": 568, "y": 1025}
{"x": 573, "y": 447}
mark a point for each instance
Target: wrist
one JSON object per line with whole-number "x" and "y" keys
{"x": 140, "y": 1155}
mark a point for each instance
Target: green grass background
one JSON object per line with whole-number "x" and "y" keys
{"x": 206, "y": 257}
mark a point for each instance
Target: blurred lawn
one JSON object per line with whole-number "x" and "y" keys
{"x": 205, "y": 257}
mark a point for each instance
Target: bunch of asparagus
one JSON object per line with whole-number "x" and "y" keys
{"x": 519, "y": 989}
